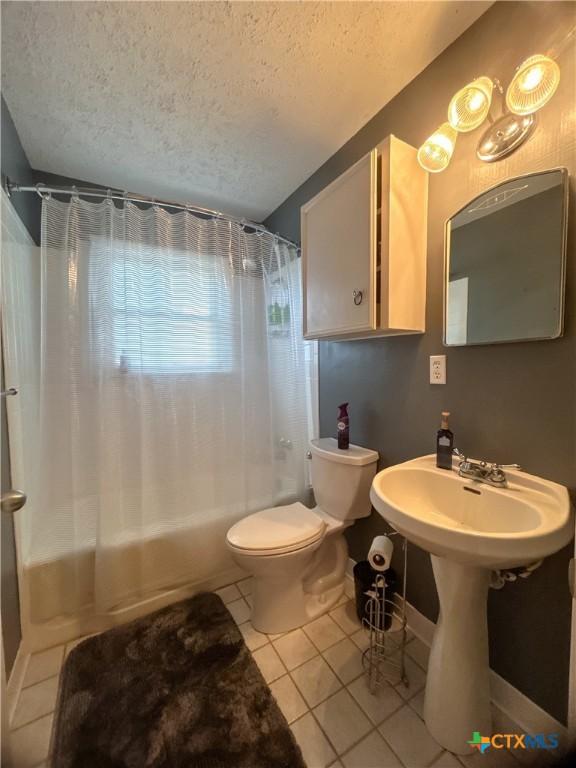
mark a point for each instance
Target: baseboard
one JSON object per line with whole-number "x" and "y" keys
{"x": 14, "y": 684}
{"x": 513, "y": 703}
{"x": 420, "y": 625}
{"x": 529, "y": 716}
{"x": 350, "y": 568}
{"x": 67, "y": 628}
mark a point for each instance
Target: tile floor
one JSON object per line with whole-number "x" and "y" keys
{"x": 316, "y": 676}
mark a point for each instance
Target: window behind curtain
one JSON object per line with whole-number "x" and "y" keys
{"x": 177, "y": 320}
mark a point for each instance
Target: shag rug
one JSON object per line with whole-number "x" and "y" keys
{"x": 176, "y": 689}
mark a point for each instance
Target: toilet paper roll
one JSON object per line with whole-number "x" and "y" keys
{"x": 380, "y": 554}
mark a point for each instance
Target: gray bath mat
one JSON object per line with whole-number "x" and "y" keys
{"x": 177, "y": 689}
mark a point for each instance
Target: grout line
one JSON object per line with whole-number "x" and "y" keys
{"x": 321, "y": 653}
{"x": 405, "y": 701}
{"x": 42, "y": 680}
{"x": 301, "y": 692}
{"x": 374, "y": 728}
{"x": 339, "y": 754}
{"x": 31, "y": 722}
{"x": 349, "y": 749}
{"x": 331, "y": 644}
{"x": 365, "y": 736}
{"x": 385, "y": 740}
{"x": 14, "y": 703}
{"x": 397, "y": 755}
{"x": 322, "y": 731}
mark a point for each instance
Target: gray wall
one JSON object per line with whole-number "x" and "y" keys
{"x": 512, "y": 402}
{"x": 15, "y": 165}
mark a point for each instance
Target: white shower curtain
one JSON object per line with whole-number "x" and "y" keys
{"x": 173, "y": 398}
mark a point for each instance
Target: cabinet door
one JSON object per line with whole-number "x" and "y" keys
{"x": 339, "y": 254}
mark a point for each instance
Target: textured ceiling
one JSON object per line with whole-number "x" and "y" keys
{"x": 228, "y": 105}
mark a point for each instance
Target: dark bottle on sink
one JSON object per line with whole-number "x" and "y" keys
{"x": 444, "y": 444}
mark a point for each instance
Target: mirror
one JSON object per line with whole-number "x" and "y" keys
{"x": 505, "y": 263}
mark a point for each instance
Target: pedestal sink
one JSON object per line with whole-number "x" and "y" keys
{"x": 470, "y": 529}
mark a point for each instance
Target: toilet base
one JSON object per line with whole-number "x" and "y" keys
{"x": 282, "y": 607}
{"x": 292, "y": 589}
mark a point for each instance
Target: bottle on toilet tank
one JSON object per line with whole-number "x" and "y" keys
{"x": 343, "y": 426}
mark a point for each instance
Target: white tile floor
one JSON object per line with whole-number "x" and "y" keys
{"x": 31, "y": 724}
{"x": 316, "y": 676}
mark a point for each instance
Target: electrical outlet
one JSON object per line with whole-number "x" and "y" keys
{"x": 437, "y": 369}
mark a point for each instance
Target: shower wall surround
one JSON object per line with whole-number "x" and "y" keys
{"x": 15, "y": 164}
{"x": 509, "y": 403}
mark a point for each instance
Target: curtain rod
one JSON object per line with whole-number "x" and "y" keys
{"x": 116, "y": 194}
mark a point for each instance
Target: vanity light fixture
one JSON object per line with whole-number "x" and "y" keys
{"x": 533, "y": 85}
{"x": 470, "y": 106}
{"x": 435, "y": 154}
{"x": 504, "y": 136}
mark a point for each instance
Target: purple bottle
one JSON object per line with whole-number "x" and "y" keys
{"x": 343, "y": 427}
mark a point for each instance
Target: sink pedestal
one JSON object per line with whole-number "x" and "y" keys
{"x": 471, "y": 528}
{"x": 457, "y": 700}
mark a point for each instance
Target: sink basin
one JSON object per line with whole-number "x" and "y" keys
{"x": 470, "y": 529}
{"x": 471, "y": 522}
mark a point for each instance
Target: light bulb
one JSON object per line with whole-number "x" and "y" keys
{"x": 469, "y": 107}
{"x": 435, "y": 154}
{"x": 531, "y": 79}
{"x": 476, "y": 101}
{"x": 533, "y": 85}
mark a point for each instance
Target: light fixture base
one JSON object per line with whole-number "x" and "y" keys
{"x": 504, "y": 136}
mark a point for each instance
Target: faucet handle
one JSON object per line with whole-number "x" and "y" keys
{"x": 458, "y": 453}
{"x": 506, "y": 466}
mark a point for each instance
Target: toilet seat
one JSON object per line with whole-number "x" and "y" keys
{"x": 277, "y": 530}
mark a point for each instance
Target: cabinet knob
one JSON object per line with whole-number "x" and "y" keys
{"x": 357, "y": 296}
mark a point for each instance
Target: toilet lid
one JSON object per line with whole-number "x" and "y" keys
{"x": 277, "y": 528}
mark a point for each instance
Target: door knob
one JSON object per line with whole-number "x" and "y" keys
{"x": 12, "y": 501}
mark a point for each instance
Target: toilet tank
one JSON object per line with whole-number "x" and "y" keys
{"x": 342, "y": 479}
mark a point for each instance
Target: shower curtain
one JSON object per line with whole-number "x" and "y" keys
{"x": 174, "y": 398}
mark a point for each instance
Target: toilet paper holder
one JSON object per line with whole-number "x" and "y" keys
{"x": 385, "y": 621}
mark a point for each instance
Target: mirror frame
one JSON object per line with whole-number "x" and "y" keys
{"x": 562, "y": 287}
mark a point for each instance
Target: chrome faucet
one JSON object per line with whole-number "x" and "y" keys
{"x": 482, "y": 471}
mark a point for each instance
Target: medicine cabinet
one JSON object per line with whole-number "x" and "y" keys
{"x": 364, "y": 248}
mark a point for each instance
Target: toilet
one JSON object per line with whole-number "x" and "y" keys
{"x": 296, "y": 555}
